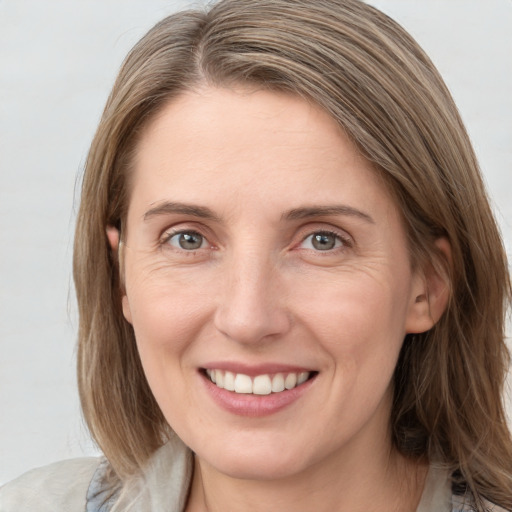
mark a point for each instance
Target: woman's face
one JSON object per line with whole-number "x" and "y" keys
{"x": 262, "y": 249}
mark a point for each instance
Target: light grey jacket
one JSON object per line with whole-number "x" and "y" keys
{"x": 78, "y": 486}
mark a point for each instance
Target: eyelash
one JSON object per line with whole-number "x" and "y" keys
{"x": 169, "y": 235}
{"x": 341, "y": 242}
{"x": 344, "y": 241}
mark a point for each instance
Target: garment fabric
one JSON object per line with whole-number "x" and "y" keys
{"x": 80, "y": 485}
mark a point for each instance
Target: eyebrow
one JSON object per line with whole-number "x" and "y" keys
{"x": 323, "y": 211}
{"x": 167, "y": 207}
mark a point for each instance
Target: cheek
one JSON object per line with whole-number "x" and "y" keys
{"x": 164, "y": 322}
{"x": 165, "y": 325}
{"x": 355, "y": 305}
{"x": 360, "y": 323}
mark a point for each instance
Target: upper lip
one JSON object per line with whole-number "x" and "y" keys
{"x": 252, "y": 370}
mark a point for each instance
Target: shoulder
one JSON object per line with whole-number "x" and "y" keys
{"x": 61, "y": 486}
{"x": 162, "y": 484}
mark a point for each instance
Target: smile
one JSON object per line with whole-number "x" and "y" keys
{"x": 264, "y": 384}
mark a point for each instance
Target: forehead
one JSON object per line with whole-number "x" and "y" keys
{"x": 214, "y": 142}
{"x": 244, "y": 116}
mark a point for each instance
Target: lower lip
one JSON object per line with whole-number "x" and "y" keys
{"x": 255, "y": 405}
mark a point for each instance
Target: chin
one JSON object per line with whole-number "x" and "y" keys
{"x": 272, "y": 461}
{"x": 255, "y": 468}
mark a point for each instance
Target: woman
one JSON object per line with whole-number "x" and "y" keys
{"x": 291, "y": 287}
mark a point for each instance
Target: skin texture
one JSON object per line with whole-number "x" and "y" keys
{"x": 258, "y": 291}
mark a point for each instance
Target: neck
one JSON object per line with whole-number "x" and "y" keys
{"x": 389, "y": 483}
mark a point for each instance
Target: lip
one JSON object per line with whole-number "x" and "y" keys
{"x": 250, "y": 405}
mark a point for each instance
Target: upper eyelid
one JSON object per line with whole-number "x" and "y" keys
{"x": 309, "y": 230}
{"x": 184, "y": 227}
{"x": 170, "y": 233}
{"x": 328, "y": 232}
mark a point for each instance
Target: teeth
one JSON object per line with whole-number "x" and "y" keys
{"x": 211, "y": 374}
{"x": 229, "y": 381}
{"x": 303, "y": 377}
{"x": 278, "y": 383}
{"x": 243, "y": 383}
{"x": 262, "y": 385}
{"x": 291, "y": 381}
{"x": 259, "y": 385}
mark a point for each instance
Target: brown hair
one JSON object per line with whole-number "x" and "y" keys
{"x": 373, "y": 78}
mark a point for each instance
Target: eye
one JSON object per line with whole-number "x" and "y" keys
{"x": 187, "y": 240}
{"x": 323, "y": 241}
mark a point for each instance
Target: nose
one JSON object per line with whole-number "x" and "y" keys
{"x": 251, "y": 307}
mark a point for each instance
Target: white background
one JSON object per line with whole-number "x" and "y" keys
{"x": 58, "y": 59}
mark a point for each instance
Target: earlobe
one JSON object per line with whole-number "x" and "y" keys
{"x": 113, "y": 237}
{"x": 127, "y": 312}
{"x": 431, "y": 292}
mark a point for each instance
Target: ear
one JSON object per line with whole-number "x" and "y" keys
{"x": 431, "y": 292}
{"x": 113, "y": 238}
{"x": 127, "y": 312}
{"x": 114, "y": 242}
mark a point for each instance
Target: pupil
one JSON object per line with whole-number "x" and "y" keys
{"x": 190, "y": 241}
{"x": 323, "y": 242}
